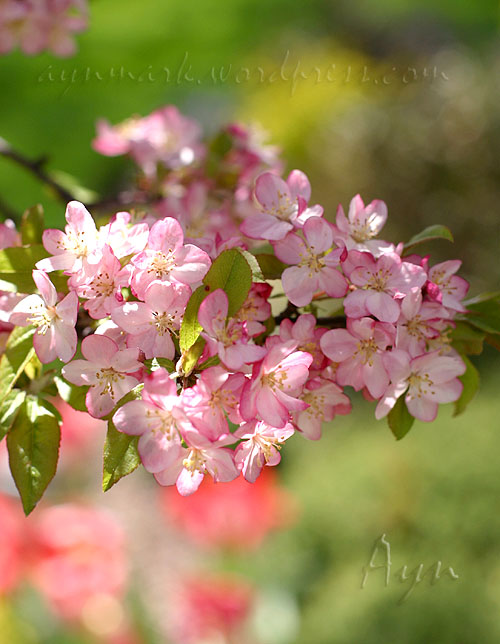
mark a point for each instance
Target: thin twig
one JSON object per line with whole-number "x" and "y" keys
{"x": 36, "y": 167}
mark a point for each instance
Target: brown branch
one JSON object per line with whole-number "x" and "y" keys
{"x": 36, "y": 168}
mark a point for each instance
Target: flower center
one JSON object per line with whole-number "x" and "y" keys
{"x": 107, "y": 378}
{"x": 367, "y": 348}
{"x": 76, "y": 244}
{"x": 420, "y": 384}
{"x": 164, "y": 322}
{"x": 162, "y": 263}
{"x": 43, "y": 318}
{"x": 195, "y": 461}
{"x": 378, "y": 280}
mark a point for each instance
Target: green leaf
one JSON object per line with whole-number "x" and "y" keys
{"x": 32, "y": 225}
{"x": 190, "y": 327}
{"x": 191, "y": 356}
{"x": 18, "y": 353}
{"x": 470, "y": 380}
{"x": 156, "y": 363}
{"x": 33, "y": 445}
{"x": 74, "y": 395}
{"x": 230, "y": 272}
{"x": 272, "y": 268}
{"x": 399, "y": 419}
{"x": 483, "y": 297}
{"x": 257, "y": 275}
{"x": 120, "y": 456}
{"x": 16, "y": 268}
{"x": 9, "y": 410}
{"x": 211, "y": 362}
{"x": 467, "y": 339}
{"x": 485, "y": 315}
{"x": 431, "y": 232}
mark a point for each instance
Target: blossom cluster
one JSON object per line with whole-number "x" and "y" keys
{"x": 259, "y": 376}
{"x": 38, "y": 25}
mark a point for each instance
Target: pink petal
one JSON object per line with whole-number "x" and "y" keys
{"x": 338, "y": 344}
{"x": 270, "y": 190}
{"x": 166, "y": 235}
{"x": 382, "y": 306}
{"x": 45, "y": 287}
{"x": 99, "y": 349}
{"x": 45, "y": 345}
{"x": 291, "y": 249}
{"x": 136, "y": 417}
{"x": 133, "y": 317}
{"x": 299, "y": 185}
{"x": 80, "y": 372}
{"x": 270, "y": 409}
{"x": 265, "y": 226}
{"x": 213, "y": 310}
{"x": 299, "y": 284}
{"x": 67, "y": 309}
{"x": 188, "y": 482}
{"x": 319, "y": 234}
{"x": 65, "y": 340}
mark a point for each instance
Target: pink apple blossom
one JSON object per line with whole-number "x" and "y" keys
{"x": 380, "y": 284}
{"x": 106, "y": 369}
{"x": 261, "y": 446}
{"x": 215, "y": 395}
{"x": 164, "y": 136}
{"x": 55, "y": 335}
{"x": 226, "y": 338}
{"x": 361, "y": 225}
{"x": 315, "y": 263}
{"x": 307, "y": 335}
{"x": 124, "y": 237}
{"x": 325, "y": 400}
{"x": 201, "y": 457}
{"x": 102, "y": 288}
{"x": 76, "y": 250}
{"x": 419, "y": 321}
{"x": 428, "y": 380}
{"x": 283, "y": 206}
{"x": 256, "y": 308}
{"x": 450, "y": 287}
{"x": 359, "y": 350}
{"x": 168, "y": 259}
{"x": 276, "y": 385}
{"x": 157, "y": 419}
{"x": 151, "y": 324}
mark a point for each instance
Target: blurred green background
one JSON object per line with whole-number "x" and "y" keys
{"x": 395, "y": 99}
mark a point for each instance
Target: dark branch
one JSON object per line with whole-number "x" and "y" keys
{"x": 36, "y": 167}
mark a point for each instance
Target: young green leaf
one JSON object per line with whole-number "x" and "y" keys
{"x": 190, "y": 327}
{"x": 466, "y": 339}
{"x": 399, "y": 419}
{"x": 272, "y": 268}
{"x": 156, "y": 363}
{"x": 18, "y": 353}
{"x": 191, "y": 356}
{"x": 9, "y": 410}
{"x": 257, "y": 275}
{"x": 16, "y": 268}
{"x": 120, "y": 456}
{"x": 470, "y": 381}
{"x": 72, "y": 394}
{"x": 431, "y": 232}
{"x": 230, "y": 272}
{"x": 32, "y": 225}
{"x": 33, "y": 446}
{"x": 485, "y": 315}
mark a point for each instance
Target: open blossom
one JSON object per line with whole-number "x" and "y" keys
{"x": 256, "y": 308}
{"x": 8, "y": 234}
{"x": 307, "y": 335}
{"x": 451, "y": 289}
{"x": 151, "y": 324}
{"x": 215, "y": 394}
{"x": 419, "y": 322}
{"x": 283, "y": 206}
{"x": 228, "y": 339}
{"x": 78, "y": 248}
{"x": 380, "y": 284}
{"x": 55, "y": 335}
{"x": 156, "y": 419}
{"x": 428, "y": 380}
{"x": 103, "y": 288}
{"x": 201, "y": 457}
{"x": 359, "y": 350}
{"x": 168, "y": 259}
{"x": 361, "y": 225}
{"x": 164, "y": 136}
{"x": 261, "y": 446}
{"x": 123, "y": 237}
{"x": 107, "y": 370}
{"x": 276, "y": 384}
{"x": 315, "y": 260}
{"x": 325, "y": 400}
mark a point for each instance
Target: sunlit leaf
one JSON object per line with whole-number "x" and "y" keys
{"x": 436, "y": 231}
{"x": 399, "y": 419}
